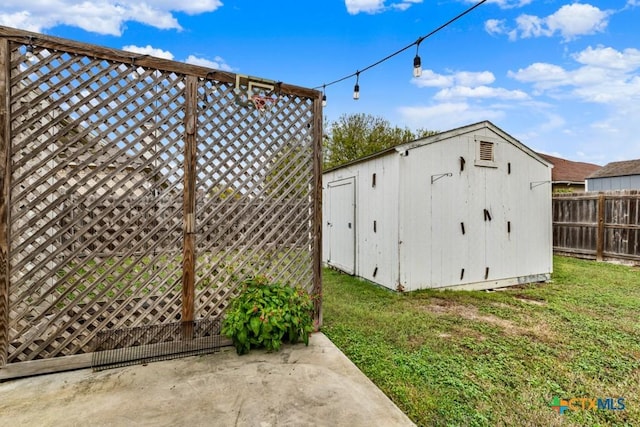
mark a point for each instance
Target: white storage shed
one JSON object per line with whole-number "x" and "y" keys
{"x": 469, "y": 208}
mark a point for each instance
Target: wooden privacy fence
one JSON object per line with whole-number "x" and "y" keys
{"x": 147, "y": 215}
{"x": 136, "y": 191}
{"x": 598, "y": 225}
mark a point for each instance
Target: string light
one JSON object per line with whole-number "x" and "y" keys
{"x": 324, "y": 97}
{"x": 134, "y": 74}
{"x": 356, "y": 88}
{"x": 417, "y": 62}
{"x": 29, "y": 51}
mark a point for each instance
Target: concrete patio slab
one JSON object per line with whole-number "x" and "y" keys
{"x": 298, "y": 386}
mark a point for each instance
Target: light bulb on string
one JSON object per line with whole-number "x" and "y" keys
{"x": 356, "y": 88}
{"x": 417, "y": 67}
{"x": 30, "y": 51}
{"x": 417, "y": 62}
{"x": 324, "y": 97}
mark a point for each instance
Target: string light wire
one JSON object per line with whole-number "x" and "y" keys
{"x": 399, "y": 51}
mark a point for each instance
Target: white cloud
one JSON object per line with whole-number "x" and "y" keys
{"x": 578, "y": 19}
{"x": 613, "y": 137}
{"x": 464, "y": 78}
{"x": 367, "y": 6}
{"x": 509, "y": 4}
{"x": 570, "y": 22}
{"x": 480, "y": 92}
{"x": 432, "y": 79}
{"x": 505, "y": 4}
{"x": 450, "y": 107}
{"x": 103, "y": 16}
{"x": 470, "y": 78}
{"x": 447, "y": 115}
{"x": 601, "y": 91}
{"x": 495, "y": 26}
{"x": 550, "y": 123}
{"x": 532, "y": 26}
{"x": 616, "y": 91}
{"x": 554, "y": 122}
{"x": 375, "y": 6}
{"x": 22, "y": 19}
{"x": 218, "y": 63}
{"x": 401, "y": 6}
{"x": 542, "y": 74}
{"x": 405, "y": 4}
{"x": 607, "y": 57}
{"x": 466, "y": 84}
{"x": 149, "y": 50}
{"x": 605, "y": 76}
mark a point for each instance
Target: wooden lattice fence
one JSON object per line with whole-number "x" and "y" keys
{"x": 138, "y": 191}
{"x": 598, "y": 225}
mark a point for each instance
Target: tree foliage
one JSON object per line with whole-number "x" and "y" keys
{"x": 353, "y": 136}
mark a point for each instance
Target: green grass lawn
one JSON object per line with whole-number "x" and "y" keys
{"x": 497, "y": 358}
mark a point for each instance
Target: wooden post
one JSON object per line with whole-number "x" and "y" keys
{"x": 317, "y": 209}
{"x": 600, "y": 235}
{"x": 189, "y": 205}
{"x": 5, "y": 193}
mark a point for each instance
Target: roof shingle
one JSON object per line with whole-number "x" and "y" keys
{"x": 569, "y": 171}
{"x": 624, "y": 168}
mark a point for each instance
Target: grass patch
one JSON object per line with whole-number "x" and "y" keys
{"x": 456, "y": 358}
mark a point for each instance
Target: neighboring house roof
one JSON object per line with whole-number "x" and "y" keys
{"x": 446, "y": 135}
{"x": 624, "y": 168}
{"x": 567, "y": 171}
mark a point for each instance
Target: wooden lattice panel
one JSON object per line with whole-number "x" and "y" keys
{"x": 93, "y": 246}
{"x": 254, "y": 177}
{"x": 113, "y": 224}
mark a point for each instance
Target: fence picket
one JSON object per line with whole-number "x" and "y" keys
{"x": 601, "y": 225}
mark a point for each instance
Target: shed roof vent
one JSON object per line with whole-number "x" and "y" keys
{"x": 486, "y": 151}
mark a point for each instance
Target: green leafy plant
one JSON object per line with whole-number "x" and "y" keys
{"x": 268, "y": 314}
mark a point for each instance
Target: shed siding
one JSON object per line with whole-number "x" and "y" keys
{"x": 434, "y": 248}
{"x": 629, "y": 182}
{"x": 431, "y": 227}
{"x": 376, "y": 251}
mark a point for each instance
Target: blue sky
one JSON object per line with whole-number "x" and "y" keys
{"x": 563, "y": 77}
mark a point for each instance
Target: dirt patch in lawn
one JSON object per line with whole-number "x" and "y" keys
{"x": 537, "y": 329}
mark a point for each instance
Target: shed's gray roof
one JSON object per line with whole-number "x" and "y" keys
{"x": 623, "y": 168}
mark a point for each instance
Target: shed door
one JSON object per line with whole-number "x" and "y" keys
{"x": 341, "y": 225}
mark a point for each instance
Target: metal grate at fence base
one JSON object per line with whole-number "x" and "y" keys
{"x": 143, "y": 344}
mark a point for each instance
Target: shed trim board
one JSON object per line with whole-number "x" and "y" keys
{"x": 440, "y": 213}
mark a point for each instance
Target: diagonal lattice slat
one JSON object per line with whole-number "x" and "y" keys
{"x": 97, "y": 187}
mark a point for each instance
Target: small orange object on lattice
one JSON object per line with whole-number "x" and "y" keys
{"x": 261, "y": 102}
